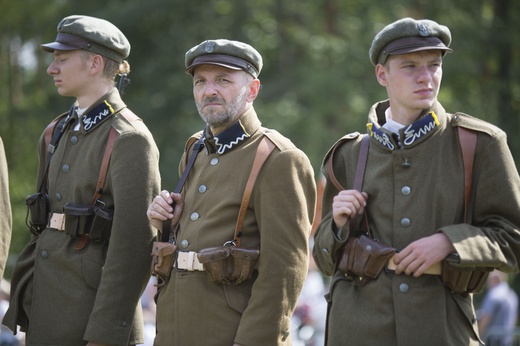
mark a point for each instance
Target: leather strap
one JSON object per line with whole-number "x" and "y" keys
{"x": 360, "y": 175}
{"x": 330, "y": 168}
{"x": 263, "y": 151}
{"x": 167, "y": 224}
{"x": 468, "y": 145}
{"x": 104, "y": 166}
{"x": 112, "y": 136}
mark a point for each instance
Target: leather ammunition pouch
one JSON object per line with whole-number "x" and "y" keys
{"x": 363, "y": 259}
{"x": 163, "y": 255}
{"x": 229, "y": 265}
{"x": 464, "y": 280}
{"x": 38, "y": 209}
{"x": 86, "y": 219}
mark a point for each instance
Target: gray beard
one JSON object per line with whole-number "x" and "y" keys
{"x": 229, "y": 115}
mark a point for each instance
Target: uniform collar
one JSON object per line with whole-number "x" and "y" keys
{"x": 426, "y": 124}
{"x": 234, "y": 135}
{"x": 101, "y": 110}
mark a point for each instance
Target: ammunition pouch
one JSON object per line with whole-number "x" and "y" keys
{"x": 464, "y": 280}
{"x": 163, "y": 255}
{"x": 86, "y": 219}
{"x": 229, "y": 265}
{"x": 38, "y": 208}
{"x": 363, "y": 259}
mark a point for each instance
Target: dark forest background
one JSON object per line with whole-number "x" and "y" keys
{"x": 317, "y": 82}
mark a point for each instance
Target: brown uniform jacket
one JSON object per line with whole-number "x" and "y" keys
{"x": 414, "y": 190}
{"x": 191, "y": 310}
{"x": 91, "y": 294}
{"x": 5, "y": 211}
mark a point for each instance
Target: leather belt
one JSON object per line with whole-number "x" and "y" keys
{"x": 57, "y": 221}
{"x": 432, "y": 270}
{"x": 188, "y": 260}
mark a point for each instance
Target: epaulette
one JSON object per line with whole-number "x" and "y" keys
{"x": 340, "y": 142}
{"x": 475, "y": 124}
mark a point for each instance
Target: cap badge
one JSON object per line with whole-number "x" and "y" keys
{"x": 423, "y": 30}
{"x": 209, "y": 47}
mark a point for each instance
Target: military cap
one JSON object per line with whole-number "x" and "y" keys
{"x": 231, "y": 54}
{"x": 91, "y": 34}
{"x": 408, "y": 35}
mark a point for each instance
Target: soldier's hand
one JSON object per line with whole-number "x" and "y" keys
{"x": 421, "y": 254}
{"x": 161, "y": 209}
{"x": 347, "y": 204}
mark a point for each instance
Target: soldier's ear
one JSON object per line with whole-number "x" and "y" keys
{"x": 254, "y": 89}
{"x": 381, "y": 72}
{"x": 97, "y": 63}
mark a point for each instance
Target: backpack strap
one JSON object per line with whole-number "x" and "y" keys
{"x": 264, "y": 149}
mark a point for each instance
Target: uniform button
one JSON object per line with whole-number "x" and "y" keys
{"x": 44, "y": 254}
{"x": 404, "y": 288}
{"x": 185, "y": 244}
{"x": 406, "y": 190}
{"x": 58, "y": 196}
{"x": 74, "y": 139}
{"x": 202, "y": 188}
{"x": 405, "y": 222}
{"x": 214, "y": 161}
{"x": 124, "y": 324}
{"x": 65, "y": 168}
{"x": 406, "y": 163}
{"x": 194, "y": 216}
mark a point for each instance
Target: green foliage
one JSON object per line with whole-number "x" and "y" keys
{"x": 317, "y": 82}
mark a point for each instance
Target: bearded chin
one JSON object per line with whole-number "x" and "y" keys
{"x": 216, "y": 119}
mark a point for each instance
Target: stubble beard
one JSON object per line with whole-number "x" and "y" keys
{"x": 218, "y": 119}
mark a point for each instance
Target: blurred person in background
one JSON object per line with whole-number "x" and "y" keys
{"x": 498, "y": 312}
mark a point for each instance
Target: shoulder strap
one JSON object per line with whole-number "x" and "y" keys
{"x": 330, "y": 168}
{"x": 167, "y": 224}
{"x": 360, "y": 168}
{"x": 468, "y": 144}
{"x": 360, "y": 175}
{"x": 265, "y": 148}
{"x": 112, "y": 136}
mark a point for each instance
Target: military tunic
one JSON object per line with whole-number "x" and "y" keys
{"x": 5, "y": 211}
{"x": 416, "y": 188}
{"x": 91, "y": 294}
{"x": 191, "y": 310}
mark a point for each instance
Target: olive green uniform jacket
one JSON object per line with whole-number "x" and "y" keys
{"x": 191, "y": 310}
{"x": 414, "y": 190}
{"x": 5, "y": 211}
{"x": 91, "y": 294}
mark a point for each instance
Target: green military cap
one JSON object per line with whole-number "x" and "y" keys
{"x": 408, "y": 35}
{"x": 231, "y": 54}
{"x": 92, "y": 34}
